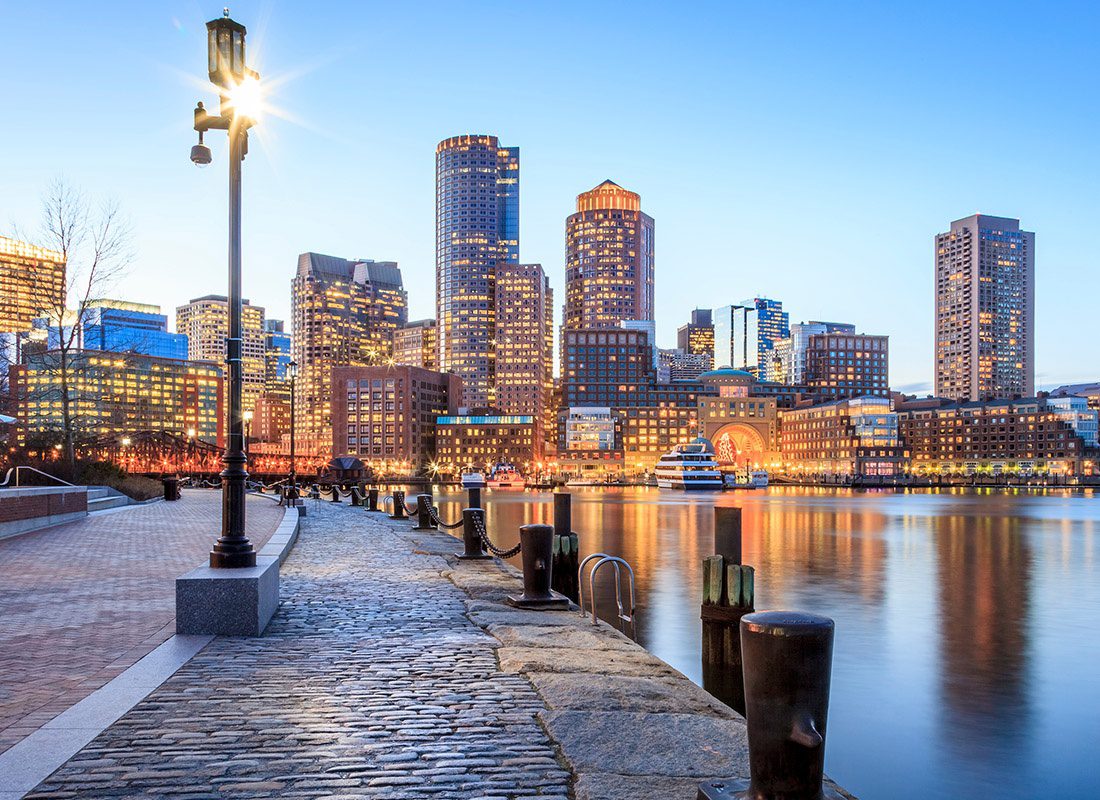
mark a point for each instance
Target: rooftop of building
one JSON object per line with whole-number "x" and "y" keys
{"x": 726, "y": 372}
{"x": 609, "y": 195}
{"x": 362, "y": 270}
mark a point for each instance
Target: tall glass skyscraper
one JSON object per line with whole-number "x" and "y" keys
{"x": 476, "y": 229}
{"x": 745, "y": 335}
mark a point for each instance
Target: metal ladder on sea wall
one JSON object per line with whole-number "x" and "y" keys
{"x": 626, "y": 614}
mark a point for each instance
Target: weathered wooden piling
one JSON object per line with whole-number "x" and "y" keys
{"x": 728, "y": 595}
{"x": 565, "y": 547}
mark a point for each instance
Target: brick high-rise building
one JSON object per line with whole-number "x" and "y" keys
{"x": 840, "y": 365}
{"x": 345, "y": 313}
{"x": 524, "y": 343}
{"x": 205, "y": 322}
{"x": 415, "y": 345}
{"x": 609, "y": 262}
{"x": 985, "y": 310}
{"x": 476, "y": 230}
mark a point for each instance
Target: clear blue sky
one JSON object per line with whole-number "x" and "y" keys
{"x": 804, "y": 151}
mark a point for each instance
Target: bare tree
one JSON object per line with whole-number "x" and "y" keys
{"x": 95, "y": 241}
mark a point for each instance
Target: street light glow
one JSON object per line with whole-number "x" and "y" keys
{"x": 247, "y": 98}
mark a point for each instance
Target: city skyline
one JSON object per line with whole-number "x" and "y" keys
{"x": 376, "y": 178}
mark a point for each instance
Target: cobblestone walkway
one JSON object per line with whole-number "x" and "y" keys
{"x": 370, "y": 682}
{"x": 81, "y": 602}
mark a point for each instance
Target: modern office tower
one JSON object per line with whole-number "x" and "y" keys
{"x": 1053, "y": 436}
{"x": 847, "y": 437}
{"x": 205, "y": 322}
{"x": 344, "y": 315}
{"x": 745, "y": 335}
{"x": 698, "y": 335}
{"x": 524, "y": 343}
{"x": 675, "y": 366}
{"x": 386, "y": 415}
{"x": 121, "y": 326}
{"x": 277, "y": 358}
{"x": 119, "y": 394}
{"x": 842, "y": 365}
{"x": 609, "y": 261}
{"x": 479, "y": 442}
{"x": 32, "y": 280}
{"x": 789, "y": 358}
{"x": 476, "y": 229}
{"x": 415, "y": 345}
{"x": 985, "y": 310}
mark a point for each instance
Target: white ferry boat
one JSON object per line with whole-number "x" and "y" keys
{"x": 689, "y": 466}
{"x": 756, "y": 479}
{"x": 505, "y": 476}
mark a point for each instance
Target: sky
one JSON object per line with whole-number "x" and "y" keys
{"x": 803, "y": 151}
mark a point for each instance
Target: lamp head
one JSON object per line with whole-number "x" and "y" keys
{"x": 201, "y": 155}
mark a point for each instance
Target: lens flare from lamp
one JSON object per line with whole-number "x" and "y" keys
{"x": 247, "y": 98}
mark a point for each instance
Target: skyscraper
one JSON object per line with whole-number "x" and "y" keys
{"x": 525, "y": 343}
{"x": 414, "y": 345}
{"x": 121, "y": 326}
{"x": 205, "y": 322}
{"x": 985, "y": 310}
{"x": 697, "y": 337}
{"x": 789, "y": 360}
{"x": 277, "y": 358}
{"x": 344, "y": 314}
{"x": 32, "y": 280}
{"x": 847, "y": 365}
{"x": 745, "y": 335}
{"x": 608, "y": 259}
{"x": 476, "y": 229}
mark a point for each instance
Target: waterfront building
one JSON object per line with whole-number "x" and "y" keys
{"x": 524, "y": 344}
{"x": 270, "y": 419}
{"x": 278, "y": 354}
{"x": 470, "y": 442}
{"x": 32, "y": 280}
{"x": 118, "y": 394}
{"x": 985, "y": 310}
{"x": 1029, "y": 436}
{"x": 415, "y": 345}
{"x": 386, "y": 415}
{"x": 851, "y": 437}
{"x": 697, "y": 337}
{"x": 741, "y": 424}
{"x": 609, "y": 259}
{"x": 205, "y": 323}
{"x": 847, "y": 365}
{"x": 344, "y": 314}
{"x": 745, "y": 335}
{"x": 789, "y": 362}
{"x": 649, "y": 328}
{"x": 476, "y": 230}
{"x": 1090, "y": 391}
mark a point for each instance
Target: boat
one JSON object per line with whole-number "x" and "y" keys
{"x": 756, "y": 479}
{"x": 689, "y": 466}
{"x": 473, "y": 480}
{"x": 505, "y": 476}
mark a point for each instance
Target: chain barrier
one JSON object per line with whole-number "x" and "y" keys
{"x": 441, "y": 523}
{"x": 492, "y": 548}
{"x": 410, "y": 510}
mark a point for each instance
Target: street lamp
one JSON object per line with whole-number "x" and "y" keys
{"x": 293, "y": 366}
{"x": 238, "y": 90}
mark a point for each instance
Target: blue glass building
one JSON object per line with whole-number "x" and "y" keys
{"x": 117, "y": 326}
{"x": 277, "y": 358}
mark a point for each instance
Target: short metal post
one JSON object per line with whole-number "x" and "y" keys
{"x": 355, "y": 501}
{"x": 788, "y": 661}
{"x": 536, "y": 550}
{"x": 728, "y": 595}
{"x": 566, "y": 551}
{"x": 372, "y": 500}
{"x": 727, "y": 533}
{"x": 335, "y": 493}
{"x": 473, "y": 497}
{"x": 424, "y": 513}
{"x": 398, "y": 497}
{"x": 471, "y": 539}
{"x": 563, "y": 513}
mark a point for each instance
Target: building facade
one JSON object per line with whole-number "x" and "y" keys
{"x": 985, "y": 310}
{"x": 478, "y": 442}
{"x": 1029, "y": 436}
{"x": 525, "y": 344}
{"x": 32, "y": 280}
{"x": 121, "y": 326}
{"x": 745, "y": 335}
{"x": 676, "y": 365}
{"x": 344, "y": 314}
{"x": 205, "y": 323}
{"x": 842, "y": 365}
{"x": 386, "y": 415}
{"x": 278, "y": 353}
{"x": 609, "y": 259}
{"x": 849, "y": 438}
{"x": 789, "y": 362}
{"x": 697, "y": 337}
{"x": 476, "y": 230}
{"x": 742, "y": 425}
{"x": 118, "y": 394}
{"x": 415, "y": 345}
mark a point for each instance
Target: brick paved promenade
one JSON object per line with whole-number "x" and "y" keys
{"x": 81, "y": 602}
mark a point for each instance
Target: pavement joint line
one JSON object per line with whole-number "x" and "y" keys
{"x": 30, "y": 761}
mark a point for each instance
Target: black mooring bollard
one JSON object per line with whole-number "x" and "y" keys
{"x": 398, "y": 498}
{"x": 356, "y": 498}
{"x": 536, "y": 550}
{"x": 335, "y": 493}
{"x": 788, "y": 659}
{"x": 471, "y": 540}
{"x": 424, "y": 513}
{"x": 473, "y": 497}
{"x": 372, "y": 500}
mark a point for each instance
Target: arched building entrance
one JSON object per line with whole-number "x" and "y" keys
{"x": 739, "y": 445}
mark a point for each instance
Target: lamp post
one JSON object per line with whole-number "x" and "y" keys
{"x": 237, "y": 88}
{"x": 247, "y": 432}
{"x": 293, "y": 381}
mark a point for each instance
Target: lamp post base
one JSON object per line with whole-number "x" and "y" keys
{"x": 232, "y": 555}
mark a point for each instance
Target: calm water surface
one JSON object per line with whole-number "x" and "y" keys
{"x": 967, "y": 656}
